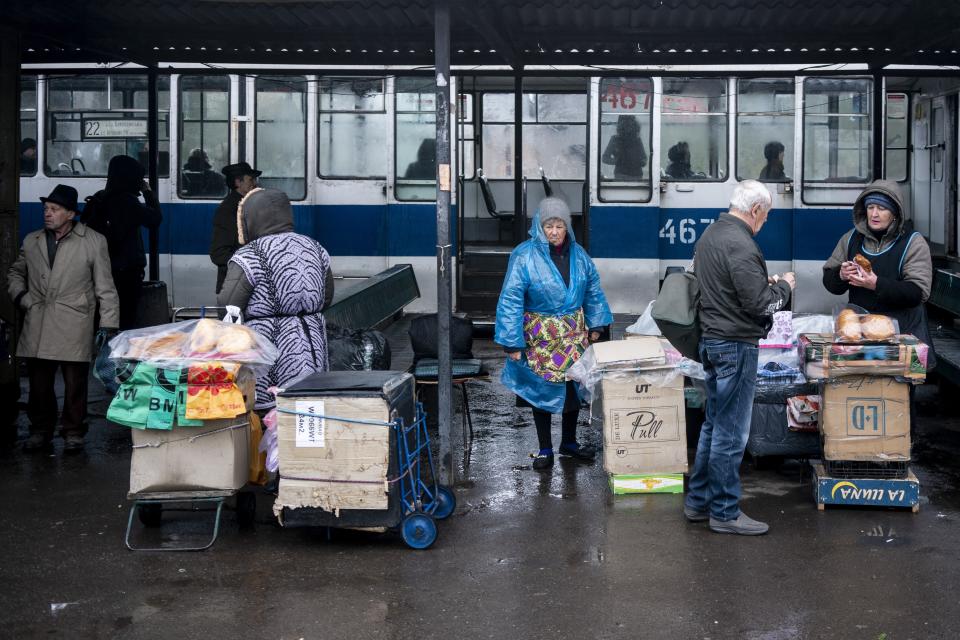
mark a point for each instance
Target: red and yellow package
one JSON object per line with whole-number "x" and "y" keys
{"x": 212, "y": 392}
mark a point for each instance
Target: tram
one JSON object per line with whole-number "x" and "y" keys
{"x": 645, "y": 157}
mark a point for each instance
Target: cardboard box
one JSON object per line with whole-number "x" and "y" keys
{"x": 866, "y": 419}
{"x": 634, "y": 352}
{"x": 644, "y": 427}
{"x": 657, "y": 483}
{"x": 331, "y": 462}
{"x": 215, "y": 456}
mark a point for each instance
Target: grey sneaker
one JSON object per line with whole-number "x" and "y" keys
{"x": 742, "y": 526}
{"x": 694, "y": 515}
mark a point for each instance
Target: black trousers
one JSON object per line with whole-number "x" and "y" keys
{"x": 129, "y": 284}
{"x": 568, "y": 428}
{"x": 42, "y": 406}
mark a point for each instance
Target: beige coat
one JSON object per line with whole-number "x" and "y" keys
{"x": 60, "y": 303}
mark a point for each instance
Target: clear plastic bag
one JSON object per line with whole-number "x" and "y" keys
{"x": 645, "y": 324}
{"x": 854, "y": 325}
{"x": 269, "y": 443}
{"x": 182, "y": 343}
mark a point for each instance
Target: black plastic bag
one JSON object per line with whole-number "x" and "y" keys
{"x": 357, "y": 349}
{"x": 423, "y": 337}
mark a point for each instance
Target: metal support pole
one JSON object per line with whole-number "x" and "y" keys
{"x": 153, "y": 161}
{"x": 9, "y": 164}
{"x": 519, "y": 219}
{"x": 444, "y": 290}
{"x": 879, "y": 126}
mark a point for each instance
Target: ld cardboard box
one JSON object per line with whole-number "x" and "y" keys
{"x": 865, "y": 419}
{"x": 215, "y": 456}
{"x": 644, "y": 429}
{"x": 332, "y": 462}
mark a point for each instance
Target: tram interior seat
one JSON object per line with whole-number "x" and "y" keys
{"x": 505, "y": 218}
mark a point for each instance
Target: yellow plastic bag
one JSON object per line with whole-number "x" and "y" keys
{"x": 212, "y": 392}
{"x": 258, "y": 459}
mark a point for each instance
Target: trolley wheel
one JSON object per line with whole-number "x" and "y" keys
{"x": 419, "y": 530}
{"x": 150, "y": 514}
{"x": 246, "y": 508}
{"x": 446, "y": 503}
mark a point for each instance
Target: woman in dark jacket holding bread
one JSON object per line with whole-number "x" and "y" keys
{"x": 884, "y": 269}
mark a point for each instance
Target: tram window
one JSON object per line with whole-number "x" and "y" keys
{"x": 837, "y": 130}
{"x": 28, "y": 125}
{"x": 554, "y": 135}
{"x": 92, "y": 118}
{"x": 204, "y": 135}
{"x": 625, "y": 117}
{"x": 281, "y": 134}
{"x": 416, "y": 139}
{"x": 897, "y": 148}
{"x": 765, "y": 129}
{"x": 352, "y": 129}
{"x": 693, "y": 129}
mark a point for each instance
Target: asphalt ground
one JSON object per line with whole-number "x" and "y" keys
{"x": 526, "y": 555}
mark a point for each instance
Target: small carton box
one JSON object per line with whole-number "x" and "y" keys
{"x": 644, "y": 428}
{"x": 346, "y": 457}
{"x": 656, "y": 483}
{"x": 866, "y": 419}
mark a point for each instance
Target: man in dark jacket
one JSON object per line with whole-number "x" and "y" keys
{"x": 117, "y": 214}
{"x": 241, "y": 179}
{"x": 737, "y": 300}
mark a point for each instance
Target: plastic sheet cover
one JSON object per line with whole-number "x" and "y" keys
{"x": 182, "y": 343}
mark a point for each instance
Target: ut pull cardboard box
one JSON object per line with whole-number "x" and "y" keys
{"x": 644, "y": 428}
{"x": 866, "y": 419}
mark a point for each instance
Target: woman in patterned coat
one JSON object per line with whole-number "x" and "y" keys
{"x": 282, "y": 282}
{"x": 550, "y": 307}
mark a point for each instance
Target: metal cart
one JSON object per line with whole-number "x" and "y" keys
{"x": 415, "y": 498}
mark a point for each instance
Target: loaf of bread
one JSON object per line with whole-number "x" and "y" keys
{"x": 876, "y": 327}
{"x": 204, "y": 337}
{"x": 863, "y": 262}
{"x": 235, "y": 339}
{"x": 848, "y": 326}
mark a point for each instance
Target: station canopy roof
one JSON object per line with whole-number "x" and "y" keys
{"x": 517, "y": 33}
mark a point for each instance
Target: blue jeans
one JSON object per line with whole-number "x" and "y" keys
{"x": 731, "y": 375}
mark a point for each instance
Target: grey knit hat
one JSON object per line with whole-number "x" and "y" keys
{"x": 555, "y": 208}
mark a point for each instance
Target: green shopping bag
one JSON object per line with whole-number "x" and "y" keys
{"x": 151, "y": 398}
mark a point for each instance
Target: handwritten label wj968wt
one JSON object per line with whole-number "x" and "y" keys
{"x": 310, "y": 430}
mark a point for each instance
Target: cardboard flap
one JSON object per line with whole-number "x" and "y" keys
{"x": 642, "y": 350}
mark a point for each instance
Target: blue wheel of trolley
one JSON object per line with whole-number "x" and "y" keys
{"x": 446, "y": 503}
{"x": 419, "y": 530}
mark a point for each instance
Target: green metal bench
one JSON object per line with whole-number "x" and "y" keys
{"x": 944, "y": 307}
{"x": 370, "y": 303}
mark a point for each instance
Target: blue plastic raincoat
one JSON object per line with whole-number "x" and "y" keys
{"x": 533, "y": 283}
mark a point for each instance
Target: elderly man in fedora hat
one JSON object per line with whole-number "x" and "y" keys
{"x": 241, "y": 179}
{"x": 62, "y": 273}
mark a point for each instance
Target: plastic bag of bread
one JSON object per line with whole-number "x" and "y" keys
{"x": 204, "y": 340}
{"x": 852, "y": 325}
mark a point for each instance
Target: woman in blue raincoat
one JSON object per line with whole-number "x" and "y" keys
{"x": 550, "y": 307}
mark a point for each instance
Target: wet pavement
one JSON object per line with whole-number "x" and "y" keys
{"x": 527, "y": 554}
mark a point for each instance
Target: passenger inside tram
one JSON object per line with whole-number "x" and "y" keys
{"x": 199, "y": 179}
{"x": 425, "y": 166}
{"x": 679, "y": 167}
{"x": 773, "y": 171}
{"x": 625, "y": 150}
{"x": 28, "y": 156}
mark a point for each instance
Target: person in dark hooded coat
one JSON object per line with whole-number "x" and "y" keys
{"x": 117, "y": 213}
{"x": 282, "y": 282}
{"x": 679, "y": 167}
{"x": 199, "y": 179}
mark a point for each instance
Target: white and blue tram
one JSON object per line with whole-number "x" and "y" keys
{"x": 355, "y": 149}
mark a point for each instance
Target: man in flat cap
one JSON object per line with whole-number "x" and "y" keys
{"x": 62, "y": 273}
{"x": 241, "y": 179}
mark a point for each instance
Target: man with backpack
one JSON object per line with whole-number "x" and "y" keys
{"x": 737, "y": 302}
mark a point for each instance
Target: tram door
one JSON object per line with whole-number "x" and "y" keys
{"x": 553, "y": 117}
{"x": 934, "y": 183}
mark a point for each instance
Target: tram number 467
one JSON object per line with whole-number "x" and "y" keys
{"x": 685, "y": 230}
